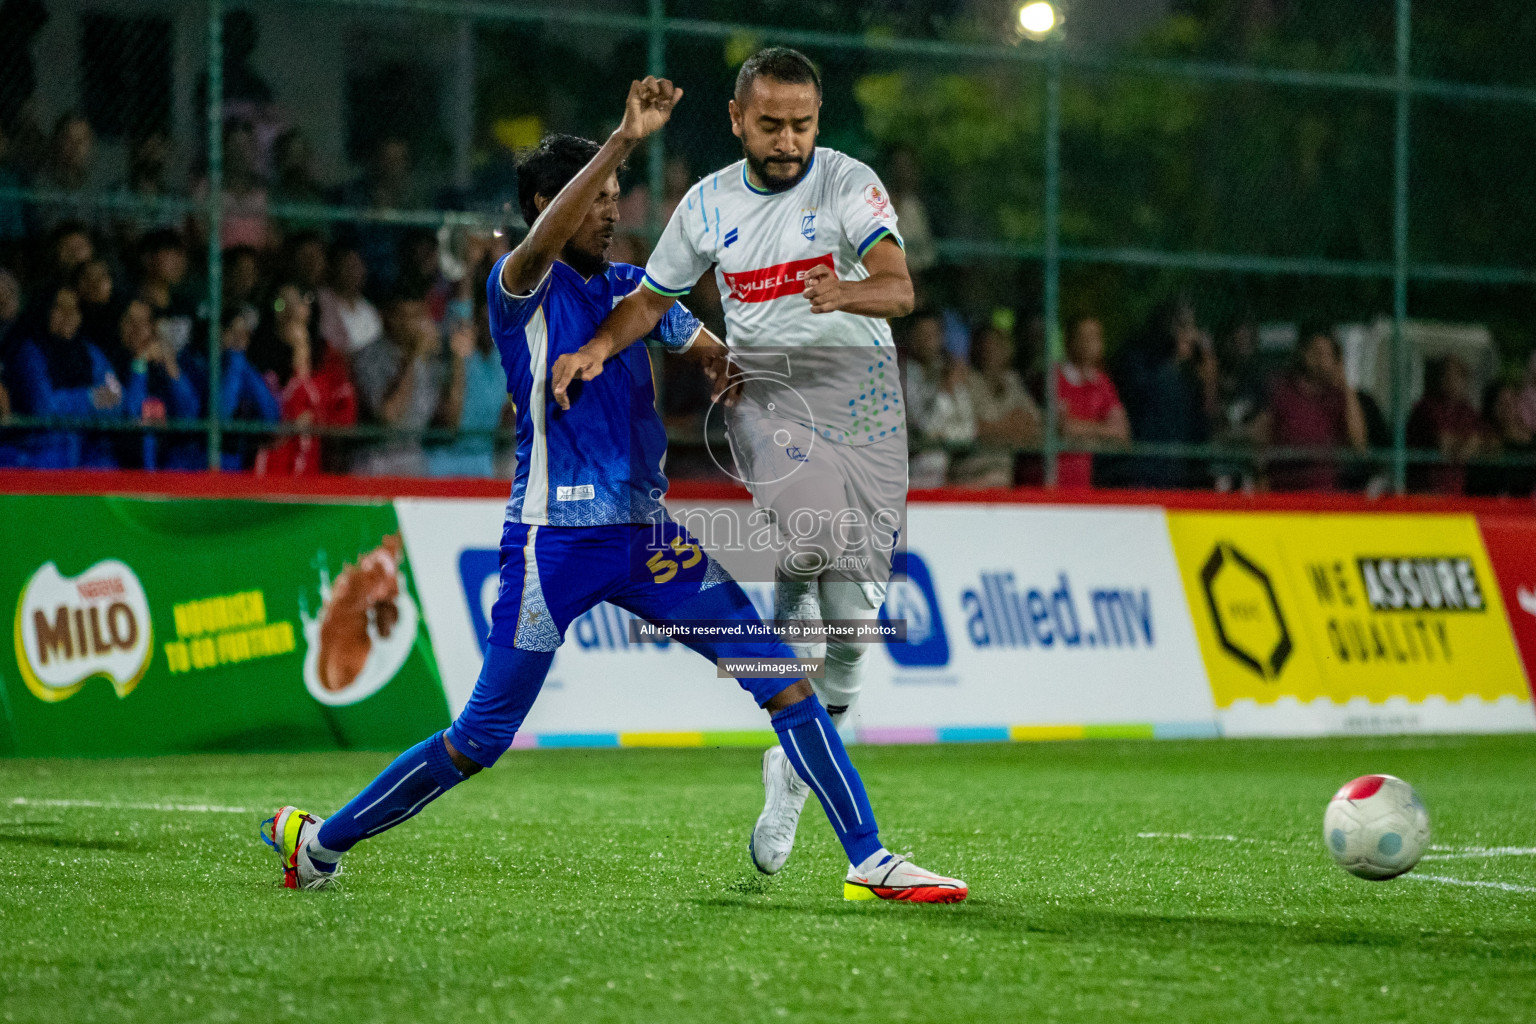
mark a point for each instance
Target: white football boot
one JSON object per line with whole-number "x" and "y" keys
{"x": 288, "y": 832}
{"x": 773, "y": 837}
{"x": 784, "y": 792}
{"x": 900, "y": 879}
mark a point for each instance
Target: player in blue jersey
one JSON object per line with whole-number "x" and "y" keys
{"x": 585, "y": 524}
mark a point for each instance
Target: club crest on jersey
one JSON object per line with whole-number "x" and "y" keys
{"x": 730, "y": 237}
{"x": 808, "y": 226}
{"x": 878, "y": 201}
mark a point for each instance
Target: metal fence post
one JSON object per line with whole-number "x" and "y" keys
{"x": 463, "y": 105}
{"x": 1051, "y": 314}
{"x": 656, "y": 154}
{"x": 1400, "y": 254}
{"x": 656, "y": 163}
{"x": 215, "y": 115}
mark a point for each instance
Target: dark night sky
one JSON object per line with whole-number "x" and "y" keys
{"x": 1106, "y": 22}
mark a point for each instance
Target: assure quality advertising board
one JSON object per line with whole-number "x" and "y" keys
{"x": 1019, "y": 619}
{"x": 1314, "y": 624}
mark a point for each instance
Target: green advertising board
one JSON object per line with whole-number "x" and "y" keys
{"x": 145, "y": 627}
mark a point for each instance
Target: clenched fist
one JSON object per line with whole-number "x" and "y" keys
{"x": 648, "y": 107}
{"x": 824, "y": 289}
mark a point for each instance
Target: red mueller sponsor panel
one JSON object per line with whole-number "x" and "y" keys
{"x": 776, "y": 281}
{"x": 1511, "y": 544}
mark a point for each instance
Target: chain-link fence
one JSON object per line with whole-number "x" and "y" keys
{"x": 1289, "y": 233}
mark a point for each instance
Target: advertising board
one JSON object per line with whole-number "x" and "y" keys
{"x": 1058, "y": 620}
{"x": 178, "y": 626}
{"x": 1350, "y": 623}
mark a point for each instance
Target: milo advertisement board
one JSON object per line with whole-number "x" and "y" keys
{"x": 143, "y": 627}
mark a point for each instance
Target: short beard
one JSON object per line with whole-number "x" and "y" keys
{"x": 584, "y": 263}
{"x": 760, "y": 167}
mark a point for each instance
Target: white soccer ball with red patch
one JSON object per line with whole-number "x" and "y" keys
{"x": 1376, "y": 827}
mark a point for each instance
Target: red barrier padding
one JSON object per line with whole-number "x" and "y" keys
{"x": 242, "y": 485}
{"x": 245, "y": 485}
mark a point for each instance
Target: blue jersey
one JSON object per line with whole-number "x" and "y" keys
{"x": 598, "y": 463}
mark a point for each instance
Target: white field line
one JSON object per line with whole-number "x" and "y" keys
{"x": 1198, "y": 838}
{"x": 1453, "y": 853}
{"x": 1442, "y": 880}
{"x": 1441, "y": 852}
{"x": 22, "y": 801}
{"x": 1475, "y": 852}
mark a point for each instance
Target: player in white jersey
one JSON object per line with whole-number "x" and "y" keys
{"x": 809, "y": 265}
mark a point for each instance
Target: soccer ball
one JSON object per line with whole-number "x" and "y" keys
{"x": 1376, "y": 827}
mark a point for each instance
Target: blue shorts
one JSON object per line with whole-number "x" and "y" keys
{"x": 552, "y": 575}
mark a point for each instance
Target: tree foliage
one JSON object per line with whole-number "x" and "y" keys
{"x": 1157, "y": 162}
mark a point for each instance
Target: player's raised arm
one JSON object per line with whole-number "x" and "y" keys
{"x": 675, "y": 264}
{"x": 885, "y": 293}
{"x": 646, "y": 110}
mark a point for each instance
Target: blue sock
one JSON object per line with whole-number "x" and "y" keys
{"x": 413, "y": 780}
{"x": 817, "y": 752}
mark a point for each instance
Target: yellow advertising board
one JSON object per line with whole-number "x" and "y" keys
{"x": 1364, "y": 609}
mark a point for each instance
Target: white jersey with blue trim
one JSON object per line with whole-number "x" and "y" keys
{"x": 600, "y": 462}
{"x": 762, "y": 244}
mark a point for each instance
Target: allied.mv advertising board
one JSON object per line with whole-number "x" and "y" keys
{"x": 1019, "y": 619}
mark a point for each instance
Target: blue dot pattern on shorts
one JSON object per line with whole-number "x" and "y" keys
{"x": 870, "y": 408}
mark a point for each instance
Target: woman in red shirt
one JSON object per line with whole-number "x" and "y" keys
{"x": 313, "y": 395}
{"x": 1089, "y": 404}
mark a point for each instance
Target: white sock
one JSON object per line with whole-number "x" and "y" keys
{"x": 841, "y": 681}
{"x": 844, "y": 678}
{"x": 318, "y": 853}
{"x": 873, "y": 861}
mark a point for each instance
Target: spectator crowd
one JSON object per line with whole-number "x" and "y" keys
{"x": 107, "y": 327}
{"x": 1281, "y": 423}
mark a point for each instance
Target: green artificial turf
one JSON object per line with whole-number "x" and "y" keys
{"x": 614, "y": 886}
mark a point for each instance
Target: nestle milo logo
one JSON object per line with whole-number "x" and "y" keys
{"x": 71, "y": 628}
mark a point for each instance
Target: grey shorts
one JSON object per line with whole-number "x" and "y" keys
{"x": 805, "y": 481}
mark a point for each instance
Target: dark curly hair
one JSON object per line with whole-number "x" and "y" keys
{"x": 548, "y": 169}
{"x": 779, "y": 63}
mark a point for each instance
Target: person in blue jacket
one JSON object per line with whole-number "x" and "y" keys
{"x": 12, "y": 454}
{"x": 157, "y": 390}
{"x": 243, "y": 392}
{"x": 51, "y": 370}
